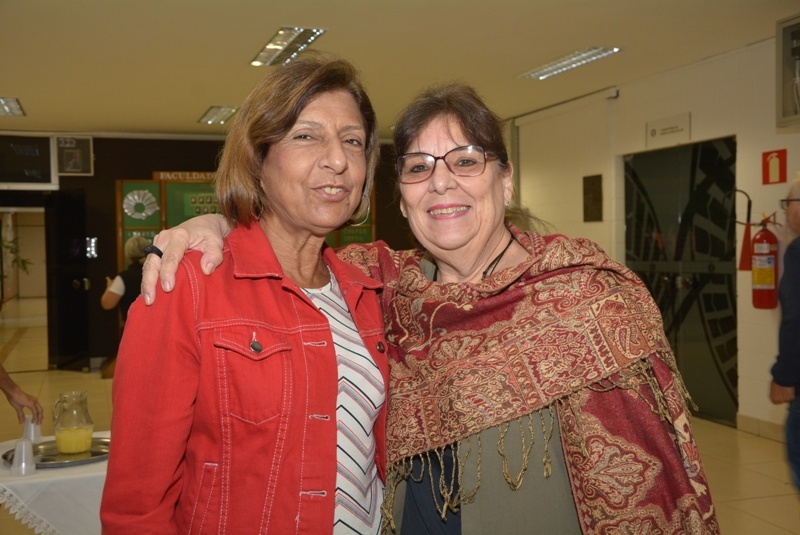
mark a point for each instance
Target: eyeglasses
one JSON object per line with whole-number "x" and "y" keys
{"x": 785, "y": 203}
{"x": 417, "y": 167}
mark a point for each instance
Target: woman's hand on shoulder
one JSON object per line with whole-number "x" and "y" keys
{"x": 202, "y": 233}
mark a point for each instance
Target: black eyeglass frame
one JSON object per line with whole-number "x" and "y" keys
{"x": 487, "y": 156}
{"x": 785, "y": 203}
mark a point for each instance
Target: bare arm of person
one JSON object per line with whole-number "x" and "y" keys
{"x": 202, "y": 233}
{"x": 19, "y": 399}
{"x": 109, "y": 299}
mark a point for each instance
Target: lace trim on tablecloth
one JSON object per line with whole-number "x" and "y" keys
{"x": 24, "y": 515}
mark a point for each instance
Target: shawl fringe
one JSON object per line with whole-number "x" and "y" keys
{"x": 636, "y": 378}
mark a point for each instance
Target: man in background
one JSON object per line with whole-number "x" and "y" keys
{"x": 786, "y": 370}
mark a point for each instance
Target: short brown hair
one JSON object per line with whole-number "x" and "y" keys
{"x": 267, "y": 115}
{"x": 460, "y": 102}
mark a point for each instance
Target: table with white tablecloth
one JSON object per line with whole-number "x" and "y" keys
{"x": 63, "y": 500}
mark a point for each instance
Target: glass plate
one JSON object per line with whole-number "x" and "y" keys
{"x": 47, "y": 456}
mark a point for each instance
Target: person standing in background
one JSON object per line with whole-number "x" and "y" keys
{"x": 786, "y": 370}
{"x": 126, "y": 287}
{"x": 123, "y": 290}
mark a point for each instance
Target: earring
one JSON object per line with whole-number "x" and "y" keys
{"x": 366, "y": 215}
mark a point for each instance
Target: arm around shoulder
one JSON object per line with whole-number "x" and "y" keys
{"x": 202, "y": 233}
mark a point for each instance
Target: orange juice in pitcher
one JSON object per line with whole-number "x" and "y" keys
{"x": 72, "y": 423}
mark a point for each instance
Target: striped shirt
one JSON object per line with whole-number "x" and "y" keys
{"x": 361, "y": 394}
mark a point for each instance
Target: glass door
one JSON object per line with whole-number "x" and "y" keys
{"x": 680, "y": 239}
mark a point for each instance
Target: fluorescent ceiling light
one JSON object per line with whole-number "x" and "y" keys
{"x": 10, "y": 106}
{"x": 285, "y": 45}
{"x": 218, "y": 114}
{"x": 576, "y": 59}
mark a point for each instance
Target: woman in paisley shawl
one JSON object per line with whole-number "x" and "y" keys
{"x": 532, "y": 389}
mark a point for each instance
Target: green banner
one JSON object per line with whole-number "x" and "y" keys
{"x": 185, "y": 200}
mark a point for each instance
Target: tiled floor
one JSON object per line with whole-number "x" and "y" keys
{"x": 748, "y": 474}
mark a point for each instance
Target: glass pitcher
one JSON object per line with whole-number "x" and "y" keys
{"x": 72, "y": 423}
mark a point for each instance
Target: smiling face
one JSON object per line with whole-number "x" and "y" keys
{"x": 455, "y": 217}
{"x": 314, "y": 176}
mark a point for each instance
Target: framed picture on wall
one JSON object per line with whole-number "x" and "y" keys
{"x": 75, "y": 155}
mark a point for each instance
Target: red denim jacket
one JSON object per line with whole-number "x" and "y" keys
{"x": 224, "y": 400}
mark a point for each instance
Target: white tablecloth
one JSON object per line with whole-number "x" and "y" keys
{"x": 62, "y": 501}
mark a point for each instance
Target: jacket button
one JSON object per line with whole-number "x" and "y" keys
{"x": 255, "y": 346}
{"x": 381, "y": 347}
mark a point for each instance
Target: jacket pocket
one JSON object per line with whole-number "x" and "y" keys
{"x": 255, "y": 371}
{"x": 201, "y": 522}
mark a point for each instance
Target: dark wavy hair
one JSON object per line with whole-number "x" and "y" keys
{"x": 459, "y": 102}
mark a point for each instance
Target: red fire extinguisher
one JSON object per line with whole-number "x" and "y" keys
{"x": 764, "y": 248}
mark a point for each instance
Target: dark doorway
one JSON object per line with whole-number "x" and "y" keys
{"x": 67, "y": 279}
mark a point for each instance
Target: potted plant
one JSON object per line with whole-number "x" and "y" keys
{"x": 12, "y": 248}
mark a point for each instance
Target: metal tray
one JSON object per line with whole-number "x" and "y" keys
{"x": 47, "y": 456}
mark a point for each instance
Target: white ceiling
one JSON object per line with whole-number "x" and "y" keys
{"x": 155, "y": 66}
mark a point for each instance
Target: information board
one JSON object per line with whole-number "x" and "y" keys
{"x": 26, "y": 162}
{"x": 184, "y": 200}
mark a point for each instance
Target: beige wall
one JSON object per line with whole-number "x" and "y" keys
{"x": 557, "y": 148}
{"x": 729, "y": 95}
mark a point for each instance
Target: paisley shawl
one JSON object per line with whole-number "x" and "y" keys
{"x": 568, "y": 328}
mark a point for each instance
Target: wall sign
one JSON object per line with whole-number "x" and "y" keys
{"x": 773, "y": 167}
{"x": 669, "y": 131}
{"x": 206, "y": 176}
{"x": 75, "y": 156}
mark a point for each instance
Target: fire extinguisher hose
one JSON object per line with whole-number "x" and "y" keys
{"x": 745, "y": 259}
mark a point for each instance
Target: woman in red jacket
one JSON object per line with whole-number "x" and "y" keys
{"x": 253, "y": 400}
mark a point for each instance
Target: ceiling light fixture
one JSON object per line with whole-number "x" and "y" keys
{"x": 285, "y": 45}
{"x": 218, "y": 114}
{"x": 10, "y": 106}
{"x": 576, "y": 59}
